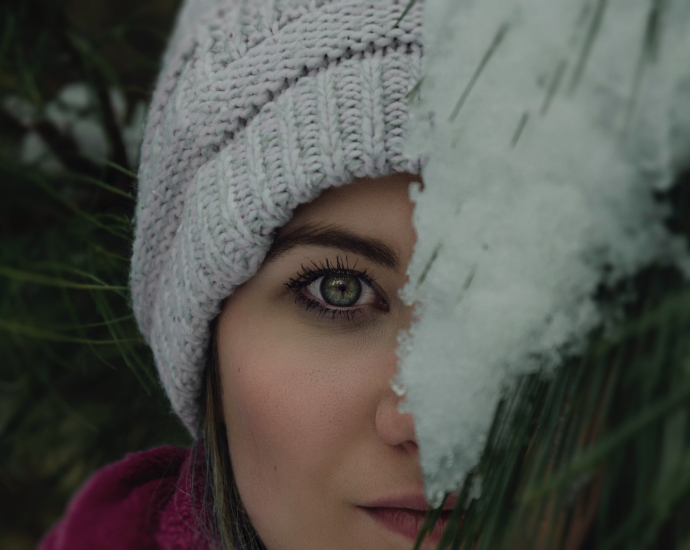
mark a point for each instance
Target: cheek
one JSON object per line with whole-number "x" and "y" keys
{"x": 296, "y": 407}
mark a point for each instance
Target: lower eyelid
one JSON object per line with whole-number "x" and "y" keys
{"x": 325, "y": 310}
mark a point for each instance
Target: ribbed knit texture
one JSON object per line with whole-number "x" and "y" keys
{"x": 260, "y": 106}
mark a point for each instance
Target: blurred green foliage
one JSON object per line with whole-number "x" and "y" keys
{"x": 77, "y": 383}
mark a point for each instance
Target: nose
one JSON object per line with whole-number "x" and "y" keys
{"x": 393, "y": 427}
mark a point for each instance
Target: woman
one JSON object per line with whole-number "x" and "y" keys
{"x": 273, "y": 233}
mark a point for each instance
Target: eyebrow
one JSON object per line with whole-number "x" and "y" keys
{"x": 335, "y": 237}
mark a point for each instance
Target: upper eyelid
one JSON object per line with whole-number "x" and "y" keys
{"x": 324, "y": 268}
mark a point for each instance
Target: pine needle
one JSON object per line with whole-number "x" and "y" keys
{"x": 35, "y": 278}
{"x": 41, "y": 334}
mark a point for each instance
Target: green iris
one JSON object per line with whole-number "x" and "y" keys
{"x": 341, "y": 290}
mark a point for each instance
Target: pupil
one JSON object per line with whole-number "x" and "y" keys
{"x": 341, "y": 290}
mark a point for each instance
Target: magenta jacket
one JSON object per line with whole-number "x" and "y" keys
{"x": 141, "y": 502}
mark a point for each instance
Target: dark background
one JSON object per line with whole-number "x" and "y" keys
{"x": 77, "y": 385}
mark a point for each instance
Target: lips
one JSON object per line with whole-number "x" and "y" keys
{"x": 408, "y": 522}
{"x": 405, "y": 515}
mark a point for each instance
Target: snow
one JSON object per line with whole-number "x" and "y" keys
{"x": 74, "y": 112}
{"x": 544, "y": 148}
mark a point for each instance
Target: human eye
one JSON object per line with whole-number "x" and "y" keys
{"x": 336, "y": 291}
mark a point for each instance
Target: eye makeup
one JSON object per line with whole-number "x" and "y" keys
{"x": 337, "y": 291}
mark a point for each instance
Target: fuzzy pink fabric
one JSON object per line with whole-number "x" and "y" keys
{"x": 141, "y": 502}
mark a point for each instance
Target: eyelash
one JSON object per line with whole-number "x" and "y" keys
{"x": 310, "y": 274}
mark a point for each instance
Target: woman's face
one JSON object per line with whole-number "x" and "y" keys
{"x": 307, "y": 347}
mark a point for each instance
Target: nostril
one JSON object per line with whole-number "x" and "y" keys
{"x": 411, "y": 447}
{"x": 394, "y": 427}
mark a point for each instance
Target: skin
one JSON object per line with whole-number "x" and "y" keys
{"x": 313, "y": 426}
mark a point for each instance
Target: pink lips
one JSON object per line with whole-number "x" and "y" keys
{"x": 404, "y": 515}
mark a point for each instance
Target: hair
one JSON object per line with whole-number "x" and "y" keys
{"x": 221, "y": 514}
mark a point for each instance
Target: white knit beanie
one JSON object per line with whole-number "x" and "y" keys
{"x": 260, "y": 106}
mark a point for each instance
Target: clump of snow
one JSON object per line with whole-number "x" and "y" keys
{"x": 548, "y": 125}
{"x": 74, "y": 112}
